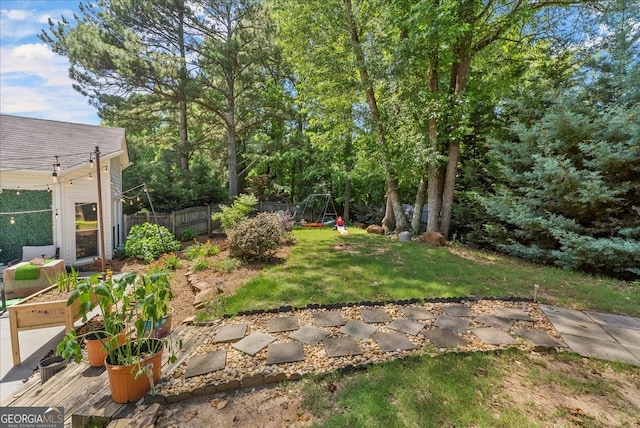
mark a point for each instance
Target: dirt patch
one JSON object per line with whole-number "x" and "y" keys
{"x": 268, "y": 407}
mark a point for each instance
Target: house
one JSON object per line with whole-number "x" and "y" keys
{"x": 49, "y": 187}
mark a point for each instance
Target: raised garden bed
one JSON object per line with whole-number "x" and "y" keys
{"x": 46, "y": 308}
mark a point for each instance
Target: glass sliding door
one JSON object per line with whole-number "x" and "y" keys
{"x": 86, "y": 230}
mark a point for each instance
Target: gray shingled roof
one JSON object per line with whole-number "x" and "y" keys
{"x": 28, "y": 144}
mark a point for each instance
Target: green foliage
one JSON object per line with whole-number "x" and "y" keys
{"x": 256, "y": 238}
{"x": 188, "y": 235}
{"x": 150, "y": 241}
{"x": 201, "y": 264}
{"x": 131, "y": 300}
{"x": 171, "y": 261}
{"x": 193, "y": 251}
{"x": 29, "y": 229}
{"x": 230, "y": 217}
{"x": 227, "y": 265}
{"x": 209, "y": 249}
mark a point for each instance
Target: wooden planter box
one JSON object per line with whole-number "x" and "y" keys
{"x": 29, "y": 316}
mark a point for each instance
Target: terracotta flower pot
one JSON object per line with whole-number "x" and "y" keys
{"x": 125, "y": 388}
{"x": 97, "y": 351}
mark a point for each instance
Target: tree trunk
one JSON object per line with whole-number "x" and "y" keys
{"x": 388, "y": 221}
{"x": 184, "y": 151}
{"x": 391, "y": 182}
{"x": 449, "y": 186}
{"x": 417, "y": 206}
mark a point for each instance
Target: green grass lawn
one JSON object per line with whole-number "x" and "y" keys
{"x": 456, "y": 389}
{"x": 325, "y": 267}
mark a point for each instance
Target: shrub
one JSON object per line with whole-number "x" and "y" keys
{"x": 149, "y": 241}
{"x": 210, "y": 250}
{"x": 227, "y": 265}
{"x": 171, "y": 261}
{"x": 188, "y": 235}
{"x": 231, "y": 216}
{"x": 201, "y": 264}
{"x": 256, "y": 238}
{"x": 193, "y": 251}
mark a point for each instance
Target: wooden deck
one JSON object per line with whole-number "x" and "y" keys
{"x": 83, "y": 391}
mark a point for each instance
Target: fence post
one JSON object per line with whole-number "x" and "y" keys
{"x": 209, "y": 219}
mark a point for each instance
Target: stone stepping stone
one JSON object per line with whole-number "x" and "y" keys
{"x": 444, "y": 338}
{"x": 358, "y": 329}
{"x": 407, "y": 326}
{"x": 206, "y": 363}
{"x": 309, "y": 334}
{"x": 341, "y": 346}
{"x": 625, "y": 336}
{"x": 230, "y": 333}
{"x": 458, "y": 310}
{"x": 390, "y": 342}
{"x": 277, "y": 325}
{"x": 254, "y": 343}
{"x": 281, "y": 353}
{"x": 417, "y": 313}
{"x": 575, "y": 327}
{"x": 458, "y": 325}
{"x": 539, "y": 338}
{"x": 512, "y": 314}
{"x": 603, "y": 349}
{"x": 615, "y": 320}
{"x": 328, "y": 319}
{"x": 372, "y": 316}
{"x": 572, "y": 314}
{"x": 492, "y": 321}
{"x": 493, "y": 336}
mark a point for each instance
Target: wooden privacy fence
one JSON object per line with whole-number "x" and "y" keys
{"x": 197, "y": 219}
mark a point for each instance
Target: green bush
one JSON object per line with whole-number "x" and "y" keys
{"x": 171, "y": 261}
{"x": 231, "y": 216}
{"x": 193, "y": 251}
{"x": 150, "y": 241}
{"x": 188, "y": 235}
{"x": 201, "y": 264}
{"x": 227, "y": 265}
{"x": 210, "y": 250}
{"x": 256, "y": 238}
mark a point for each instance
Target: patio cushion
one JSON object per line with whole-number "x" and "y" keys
{"x": 30, "y": 252}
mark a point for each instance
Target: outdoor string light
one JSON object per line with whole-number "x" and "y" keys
{"x": 57, "y": 164}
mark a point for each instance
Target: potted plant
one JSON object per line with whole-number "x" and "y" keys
{"x": 104, "y": 294}
{"x": 133, "y": 366}
{"x": 153, "y": 296}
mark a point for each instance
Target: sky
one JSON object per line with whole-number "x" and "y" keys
{"x": 34, "y": 81}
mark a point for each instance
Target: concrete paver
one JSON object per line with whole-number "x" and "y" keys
{"x": 625, "y": 336}
{"x": 373, "y": 316}
{"x": 277, "y": 325}
{"x": 390, "y": 342}
{"x": 444, "y": 338}
{"x": 615, "y": 320}
{"x": 418, "y": 314}
{"x": 407, "y": 326}
{"x": 493, "y": 336}
{"x": 579, "y": 328}
{"x": 281, "y": 353}
{"x": 310, "y": 334}
{"x": 539, "y": 338}
{"x": 459, "y": 325}
{"x": 329, "y": 319}
{"x": 341, "y": 346}
{"x": 254, "y": 343}
{"x": 493, "y": 321}
{"x": 230, "y": 333}
{"x": 206, "y": 363}
{"x": 603, "y": 349}
{"x": 457, "y": 310}
{"x": 358, "y": 329}
{"x": 512, "y": 314}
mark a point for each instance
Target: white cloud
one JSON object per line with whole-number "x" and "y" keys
{"x": 34, "y": 81}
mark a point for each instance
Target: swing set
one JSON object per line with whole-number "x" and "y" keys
{"x": 320, "y": 209}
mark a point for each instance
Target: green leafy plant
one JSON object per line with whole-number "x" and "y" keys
{"x": 193, "y": 251}
{"x": 209, "y": 249}
{"x": 256, "y": 238}
{"x": 131, "y": 301}
{"x": 149, "y": 241}
{"x": 188, "y": 235}
{"x": 201, "y": 264}
{"x": 231, "y": 216}
{"x": 65, "y": 281}
{"x": 227, "y": 265}
{"x": 170, "y": 261}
